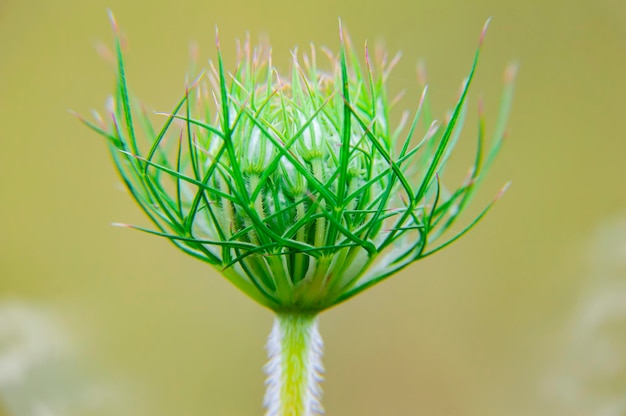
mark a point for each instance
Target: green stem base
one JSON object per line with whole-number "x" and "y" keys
{"x": 294, "y": 370}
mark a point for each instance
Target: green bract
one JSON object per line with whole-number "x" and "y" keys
{"x": 296, "y": 185}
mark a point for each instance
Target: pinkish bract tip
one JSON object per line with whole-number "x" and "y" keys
{"x": 340, "y": 31}
{"x": 116, "y": 28}
{"x": 481, "y": 107}
{"x": 98, "y": 117}
{"x": 434, "y": 126}
{"x": 423, "y": 96}
{"x": 484, "y": 31}
{"x": 194, "y": 51}
{"x": 196, "y": 81}
{"x": 421, "y": 73}
{"x": 75, "y": 114}
{"x": 105, "y": 52}
{"x": 503, "y": 190}
{"x": 510, "y": 73}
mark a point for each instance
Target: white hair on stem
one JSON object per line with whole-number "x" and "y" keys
{"x": 294, "y": 370}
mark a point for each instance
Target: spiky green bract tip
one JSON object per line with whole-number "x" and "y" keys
{"x": 295, "y": 185}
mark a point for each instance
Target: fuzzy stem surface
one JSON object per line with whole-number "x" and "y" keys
{"x": 294, "y": 370}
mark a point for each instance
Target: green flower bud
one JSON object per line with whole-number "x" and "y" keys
{"x": 294, "y": 182}
{"x": 255, "y": 151}
{"x": 295, "y": 185}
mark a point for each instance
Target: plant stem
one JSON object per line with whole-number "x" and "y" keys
{"x": 294, "y": 370}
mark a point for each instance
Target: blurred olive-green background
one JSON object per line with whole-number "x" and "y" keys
{"x": 524, "y": 316}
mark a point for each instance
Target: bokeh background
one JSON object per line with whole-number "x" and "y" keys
{"x": 524, "y": 316}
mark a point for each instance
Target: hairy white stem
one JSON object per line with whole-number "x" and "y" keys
{"x": 294, "y": 370}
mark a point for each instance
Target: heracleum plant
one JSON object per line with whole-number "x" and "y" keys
{"x": 296, "y": 186}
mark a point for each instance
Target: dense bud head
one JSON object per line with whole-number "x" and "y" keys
{"x": 295, "y": 185}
